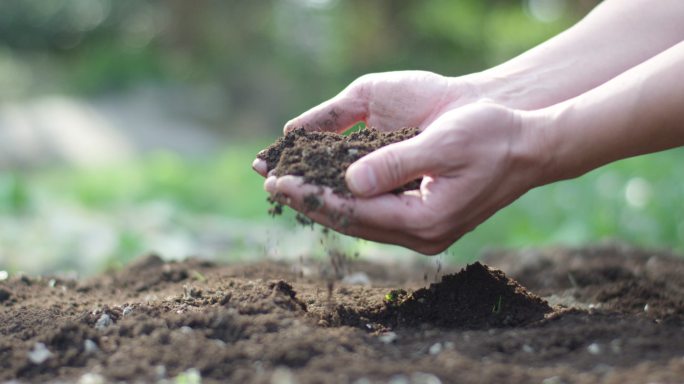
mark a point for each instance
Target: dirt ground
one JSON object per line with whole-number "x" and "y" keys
{"x": 608, "y": 314}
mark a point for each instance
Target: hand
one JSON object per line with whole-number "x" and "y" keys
{"x": 387, "y": 101}
{"x": 474, "y": 160}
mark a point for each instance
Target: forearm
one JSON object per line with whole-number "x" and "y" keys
{"x": 614, "y": 37}
{"x": 640, "y": 111}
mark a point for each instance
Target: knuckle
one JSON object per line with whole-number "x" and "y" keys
{"x": 360, "y": 88}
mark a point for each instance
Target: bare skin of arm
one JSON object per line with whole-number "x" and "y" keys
{"x": 615, "y": 36}
{"x": 477, "y": 159}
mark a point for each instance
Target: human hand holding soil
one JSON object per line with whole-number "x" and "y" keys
{"x": 555, "y": 112}
{"x": 477, "y": 159}
{"x": 472, "y": 161}
{"x": 386, "y": 102}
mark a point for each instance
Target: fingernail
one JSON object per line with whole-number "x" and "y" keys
{"x": 288, "y": 126}
{"x": 270, "y": 184}
{"x": 361, "y": 179}
{"x": 255, "y": 164}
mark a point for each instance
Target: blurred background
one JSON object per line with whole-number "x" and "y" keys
{"x": 129, "y": 126}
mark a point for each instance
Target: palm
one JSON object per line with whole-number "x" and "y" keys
{"x": 402, "y": 99}
{"x": 387, "y": 101}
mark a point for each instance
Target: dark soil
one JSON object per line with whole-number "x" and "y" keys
{"x": 606, "y": 314}
{"x": 477, "y": 297}
{"x": 321, "y": 158}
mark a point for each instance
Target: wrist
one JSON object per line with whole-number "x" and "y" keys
{"x": 517, "y": 87}
{"x": 485, "y": 86}
{"x": 554, "y": 145}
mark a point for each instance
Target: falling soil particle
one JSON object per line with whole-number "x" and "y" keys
{"x": 321, "y": 158}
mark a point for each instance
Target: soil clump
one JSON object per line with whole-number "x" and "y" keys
{"x": 322, "y": 158}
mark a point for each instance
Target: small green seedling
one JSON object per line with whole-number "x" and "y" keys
{"x": 496, "y": 309}
{"x": 394, "y": 296}
{"x": 190, "y": 376}
{"x": 198, "y": 276}
{"x": 391, "y": 297}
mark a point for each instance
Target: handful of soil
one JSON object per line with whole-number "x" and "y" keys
{"x": 322, "y": 158}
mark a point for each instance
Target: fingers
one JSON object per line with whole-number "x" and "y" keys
{"x": 390, "y": 167}
{"x": 335, "y": 115}
{"x": 386, "y": 211}
{"x": 386, "y": 219}
{"x": 260, "y": 167}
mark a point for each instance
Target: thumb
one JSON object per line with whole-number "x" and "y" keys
{"x": 388, "y": 168}
{"x": 335, "y": 115}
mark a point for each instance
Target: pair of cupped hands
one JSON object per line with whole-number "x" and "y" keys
{"x": 473, "y": 155}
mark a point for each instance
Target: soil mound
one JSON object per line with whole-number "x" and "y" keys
{"x": 322, "y": 158}
{"x": 477, "y": 297}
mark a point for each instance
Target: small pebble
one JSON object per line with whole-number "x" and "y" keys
{"x": 39, "y": 353}
{"x": 127, "y": 310}
{"x": 425, "y": 378}
{"x": 90, "y": 347}
{"x": 103, "y": 322}
{"x": 553, "y": 380}
{"x": 527, "y": 348}
{"x": 399, "y": 379}
{"x": 92, "y": 378}
{"x": 594, "y": 349}
{"x": 185, "y": 329}
{"x": 435, "y": 348}
{"x": 282, "y": 375}
{"x": 4, "y": 275}
{"x": 388, "y": 337}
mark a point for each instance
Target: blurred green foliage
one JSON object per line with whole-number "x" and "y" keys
{"x": 14, "y": 197}
{"x": 636, "y": 200}
{"x": 272, "y": 60}
{"x": 222, "y": 184}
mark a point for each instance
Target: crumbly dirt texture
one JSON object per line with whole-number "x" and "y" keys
{"x": 601, "y": 314}
{"x": 321, "y": 158}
